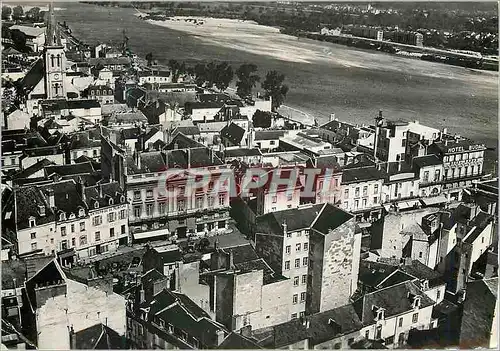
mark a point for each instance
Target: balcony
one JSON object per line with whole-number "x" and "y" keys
{"x": 446, "y": 180}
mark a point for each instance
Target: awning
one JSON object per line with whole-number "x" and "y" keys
{"x": 429, "y": 201}
{"x": 151, "y": 234}
{"x": 402, "y": 205}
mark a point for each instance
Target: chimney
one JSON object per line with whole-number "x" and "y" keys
{"x": 138, "y": 159}
{"x": 380, "y": 114}
{"x": 231, "y": 260}
{"x": 445, "y": 130}
{"x": 220, "y": 336}
{"x": 332, "y": 117}
{"x": 81, "y": 188}
{"x": 100, "y": 190}
{"x": 72, "y": 338}
{"x": 399, "y": 166}
{"x": 246, "y": 331}
{"x": 285, "y": 227}
{"x": 188, "y": 155}
{"x": 176, "y": 146}
{"x": 50, "y": 198}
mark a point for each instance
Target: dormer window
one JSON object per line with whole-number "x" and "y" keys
{"x": 111, "y": 202}
{"x": 416, "y": 302}
{"x": 122, "y": 199}
{"x": 41, "y": 210}
{"x": 96, "y": 204}
{"x": 425, "y": 284}
{"x": 62, "y": 216}
{"x": 379, "y": 313}
{"x": 81, "y": 212}
{"x": 32, "y": 222}
{"x": 72, "y": 216}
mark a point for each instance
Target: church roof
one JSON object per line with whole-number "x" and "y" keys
{"x": 33, "y": 77}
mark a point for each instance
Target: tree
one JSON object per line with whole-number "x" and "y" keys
{"x": 262, "y": 119}
{"x": 33, "y": 13}
{"x": 6, "y": 12}
{"x": 200, "y": 72}
{"x": 274, "y": 88}
{"x": 149, "y": 58}
{"x": 19, "y": 39}
{"x": 17, "y": 12}
{"x": 174, "y": 66}
{"x": 246, "y": 79}
{"x": 224, "y": 75}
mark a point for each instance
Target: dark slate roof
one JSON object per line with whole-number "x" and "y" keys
{"x": 367, "y": 344}
{"x": 258, "y": 264}
{"x": 83, "y": 140}
{"x": 27, "y": 201}
{"x": 374, "y": 273}
{"x": 481, "y": 221}
{"x": 242, "y": 253}
{"x": 479, "y": 307}
{"x": 150, "y": 133}
{"x": 269, "y": 134}
{"x": 240, "y": 152}
{"x": 66, "y": 197}
{"x": 233, "y": 132}
{"x": 190, "y": 105}
{"x": 345, "y": 320}
{"x": 419, "y": 270}
{"x": 99, "y": 337}
{"x": 170, "y": 256}
{"x": 152, "y": 276}
{"x": 56, "y": 105}
{"x": 393, "y": 299}
{"x": 328, "y": 162}
{"x": 236, "y": 341}
{"x": 103, "y": 193}
{"x": 71, "y": 169}
{"x": 33, "y": 77}
{"x": 181, "y": 141}
{"x": 426, "y": 161}
{"x": 33, "y": 169}
{"x": 324, "y": 217}
{"x": 364, "y": 174}
{"x": 187, "y": 130}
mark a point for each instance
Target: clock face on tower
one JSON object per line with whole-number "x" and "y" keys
{"x": 56, "y": 76}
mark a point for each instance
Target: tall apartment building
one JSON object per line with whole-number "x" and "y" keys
{"x": 462, "y": 163}
{"x": 316, "y": 246}
{"x": 193, "y": 210}
{"x": 69, "y": 218}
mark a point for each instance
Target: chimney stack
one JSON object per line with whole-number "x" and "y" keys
{"x": 50, "y": 198}
{"x": 332, "y": 117}
{"x": 399, "y": 166}
{"x": 72, "y": 338}
{"x": 188, "y": 155}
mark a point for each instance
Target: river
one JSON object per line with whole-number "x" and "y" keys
{"x": 354, "y": 85}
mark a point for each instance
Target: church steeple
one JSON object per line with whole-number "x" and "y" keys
{"x": 55, "y": 59}
{"x": 52, "y": 34}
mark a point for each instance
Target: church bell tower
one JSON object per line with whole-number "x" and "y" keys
{"x": 55, "y": 60}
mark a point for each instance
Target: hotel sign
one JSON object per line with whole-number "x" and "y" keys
{"x": 456, "y": 149}
{"x": 474, "y": 161}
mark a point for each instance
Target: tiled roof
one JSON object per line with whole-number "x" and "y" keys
{"x": 393, "y": 299}
{"x": 28, "y": 200}
{"x": 323, "y": 327}
{"x": 33, "y": 169}
{"x": 71, "y": 169}
{"x": 99, "y": 337}
{"x": 240, "y": 152}
{"x": 269, "y": 134}
{"x": 426, "y": 161}
{"x": 478, "y": 313}
{"x": 236, "y": 341}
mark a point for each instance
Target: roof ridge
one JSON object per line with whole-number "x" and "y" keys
{"x": 319, "y": 214}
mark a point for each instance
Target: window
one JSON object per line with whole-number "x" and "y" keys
{"x": 297, "y": 262}
{"x": 482, "y": 240}
{"x": 149, "y": 193}
{"x": 294, "y": 315}
{"x": 288, "y": 234}
{"x": 305, "y": 261}
{"x": 199, "y": 202}
{"x": 63, "y": 231}
{"x": 287, "y": 249}
{"x": 73, "y": 242}
{"x": 337, "y": 346}
{"x": 304, "y": 279}
{"x": 123, "y": 228}
{"x": 375, "y": 200}
{"x": 97, "y": 220}
{"x": 414, "y": 318}
{"x": 356, "y": 192}
{"x": 64, "y": 245}
{"x": 83, "y": 240}
{"x": 438, "y": 294}
{"x": 222, "y": 200}
{"x": 302, "y": 314}
{"x": 287, "y": 265}
{"x": 350, "y": 341}
{"x": 149, "y": 209}
{"x": 97, "y": 236}
{"x": 272, "y": 142}
{"x": 303, "y": 296}
{"x": 163, "y": 207}
{"x": 122, "y": 214}
{"x": 289, "y": 197}
{"x": 420, "y": 254}
{"x": 33, "y": 246}
{"x": 111, "y": 217}
{"x": 297, "y": 247}
{"x": 33, "y": 235}
{"x": 367, "y": 334}
{"x": 306, "y": 246}
{"x": 356, "y": 204}
{"x": 295, "y": 298}
{"x": 32, "y": 223}
{"x": 346, "y": 193}
{"x": 111, "y": 232}
{"x": 210, "y": 201}
{"x": 307, "y": 232}
{"x": 72, "y": 228}
{"x": 400, "y": 324}
{"x": 364, "y": 202}
{"x": 296, "y": 281}
{"x": 82, "y": 226}
{"x": 274, "y": 199}
{"x": 365, "y": 190}
{"x": 137, "y": 195}
{"x": 137, "y": 211}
